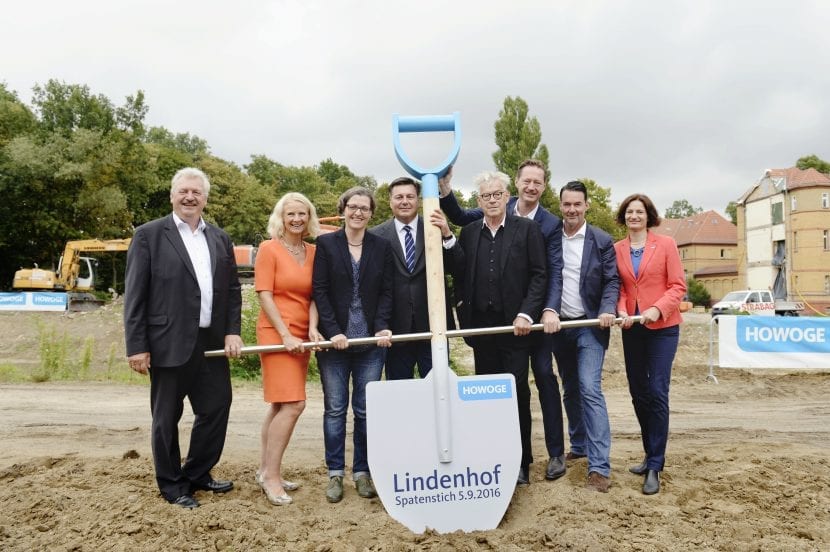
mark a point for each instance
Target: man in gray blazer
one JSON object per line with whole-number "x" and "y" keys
{"x": 182, "y": 297}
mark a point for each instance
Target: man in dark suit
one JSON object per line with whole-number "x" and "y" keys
{"x": 500, "y": 272}
{"x": 530, "y": 182}
{"x": 405, "y": 233}
{"x": 590, "y": 290}
{"x": 182, "y": 297}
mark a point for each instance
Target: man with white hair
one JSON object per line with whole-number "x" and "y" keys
{"x": 182, "y": 297}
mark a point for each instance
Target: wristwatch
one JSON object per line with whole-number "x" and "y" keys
{"x": 447, "y": 238}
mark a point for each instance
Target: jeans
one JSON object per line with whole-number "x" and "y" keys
{"x": 648, "y": 358}
{"x": 579, "y": 356}
{"x": 336, "y": 367}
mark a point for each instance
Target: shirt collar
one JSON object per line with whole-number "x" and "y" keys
{"x": 200, "y": 227}
{"x": 501, "y": 224}
{"x": 531, "y": 215}
{"x": 580, "y": 232}
{"x": 399, "y": 225}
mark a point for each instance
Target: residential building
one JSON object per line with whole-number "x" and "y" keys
{"x": 708, "y": 245}
{"x": 784, "y": 230}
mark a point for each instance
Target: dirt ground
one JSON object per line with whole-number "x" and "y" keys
{"x": 747, "y": 467}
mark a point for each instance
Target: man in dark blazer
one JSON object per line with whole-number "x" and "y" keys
{"x": 531, "y": 180}
{"x": 182, "y": 297}
{"x": 410, "y": 312}
{"x": 500, "y": 272}
{"x": 589, "y": 291}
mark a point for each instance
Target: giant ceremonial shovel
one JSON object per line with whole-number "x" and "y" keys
{"x": 444, "y": 451}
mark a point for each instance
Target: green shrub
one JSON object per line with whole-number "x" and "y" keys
{"x": 697, "y": 292}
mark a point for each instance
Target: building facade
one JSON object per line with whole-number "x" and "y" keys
{"x": 708, "y": 246}
{"x": 784, "y": 226}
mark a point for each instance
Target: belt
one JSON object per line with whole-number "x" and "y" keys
{"x": 566, "y": 319}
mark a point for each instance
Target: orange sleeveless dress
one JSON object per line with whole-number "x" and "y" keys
{"x": 284, "y": 374}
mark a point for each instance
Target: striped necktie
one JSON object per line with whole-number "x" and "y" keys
{"x": 409, "y": 248}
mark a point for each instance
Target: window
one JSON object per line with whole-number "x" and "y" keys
{"x": 793, "y": 204}
{"x": 826, "y": 236}
{"x": 795, "y": 241}
{"x": 722, "y": 255}
{"x": 777, "y": 213}
{"x": 827, "y": 284}
{"x": 825, "y": 200}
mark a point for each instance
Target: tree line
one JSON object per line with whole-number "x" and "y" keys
{"x": 74, "y": 165}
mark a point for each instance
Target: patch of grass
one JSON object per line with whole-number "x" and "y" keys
{"x": 53, "y": 350}
{"x": 10, "y": 373}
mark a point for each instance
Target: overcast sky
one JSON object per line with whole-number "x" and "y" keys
{"x": 689, "y": 100}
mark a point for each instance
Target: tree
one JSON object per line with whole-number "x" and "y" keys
{"x": 732, "y": 211}
{"x": 600, "y": 213}
{"x": 518, "y": 138}
{"x": 697, "y": 292}
{"x": 813, "y": 161}
{"x": 681, "y": 208}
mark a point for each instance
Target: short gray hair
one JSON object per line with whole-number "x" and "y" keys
{"x": 489, "y": 176}
{"x": 190, "y": 172}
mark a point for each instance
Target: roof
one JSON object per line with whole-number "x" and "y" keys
{"x": 776, "y": 181}
{"x": 716, "y": 270}
{"x": 709, "y": 227}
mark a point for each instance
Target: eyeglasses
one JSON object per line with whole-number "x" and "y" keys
{"x": 362, "y": 208}
{"x": 495, "y": 195}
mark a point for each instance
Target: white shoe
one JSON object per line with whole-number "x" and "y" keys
{"x": 287, "y": 485}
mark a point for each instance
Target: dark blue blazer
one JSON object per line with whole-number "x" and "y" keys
{"x": 551, "y": 228}
{"x": 332, "y": 283}
{"x": 599, "y": 282}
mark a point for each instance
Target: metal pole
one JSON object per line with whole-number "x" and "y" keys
{"x": 422, "y": 336}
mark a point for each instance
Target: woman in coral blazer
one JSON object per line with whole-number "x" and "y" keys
{"x": 652, "y": 284}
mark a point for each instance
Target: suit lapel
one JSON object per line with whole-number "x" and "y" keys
{"x": 648, "y": 253}
{"x": 510, "y": 229}
{"x": 175, "y": 239}
{"x": 343, "y": 253}
{"x": 587, "y": 254}
{"x": 625, "y": 258}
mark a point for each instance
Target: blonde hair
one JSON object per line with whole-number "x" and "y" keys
{"x": 276, "y": 223}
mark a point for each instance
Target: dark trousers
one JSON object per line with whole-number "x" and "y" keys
{"x": 506, "y": 353}
{"x": 648, "y": 359}
{"x": 550, "y": 399}
{"x": 206, "y": 383}
{"x": 402, "y": 357}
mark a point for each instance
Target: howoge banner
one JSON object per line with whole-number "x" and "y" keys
{"x": 773, "y": 342}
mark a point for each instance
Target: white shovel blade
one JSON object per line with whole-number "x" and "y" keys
{"x": 473, "y": 490}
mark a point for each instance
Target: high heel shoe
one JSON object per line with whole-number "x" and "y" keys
{"x": 287, "y": 485}
{"x": 276, "y": 500}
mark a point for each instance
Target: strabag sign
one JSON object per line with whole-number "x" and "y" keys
{"x": 773, "y": 342}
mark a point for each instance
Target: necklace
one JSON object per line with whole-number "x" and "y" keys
{"x": 354, "y": 244}
{"x": 295, "y": 250}
{"x": 637, "y": 252}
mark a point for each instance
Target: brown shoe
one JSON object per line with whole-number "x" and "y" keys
{"x": 598, "y": 482}
{"x": 570, "y": 457}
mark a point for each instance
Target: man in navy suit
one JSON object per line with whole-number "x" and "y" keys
{"x": 590, "y": 290}
{"x": 530, "y": 182}
{"x": 405, "y": 233}
{"x": 182, "y": 297}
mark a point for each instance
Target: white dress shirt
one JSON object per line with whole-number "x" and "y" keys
{"x": 572, "y": 248}
{"x": 199, "y": 253}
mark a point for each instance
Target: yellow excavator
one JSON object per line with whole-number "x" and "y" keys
{"x": 75, "y": 274}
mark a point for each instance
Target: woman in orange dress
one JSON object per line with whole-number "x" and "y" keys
{"x": 283, "y": 284}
